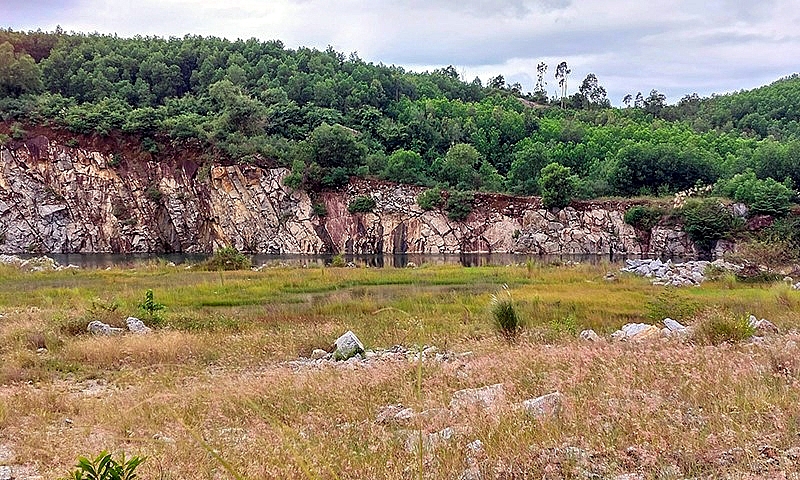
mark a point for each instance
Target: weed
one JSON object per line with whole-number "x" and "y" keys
{"x": 670, "y": 303}
{"x": 338, "y": 261}
{"x": 104, "y": 467}
{"x": 716, "y": 326}
{"x": 227, "y": 258}
{"x": 150, "y": 306}
{"x": 361, "y": 204}
{"x": 506, "y": 320}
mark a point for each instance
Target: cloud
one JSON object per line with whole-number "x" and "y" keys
{"x": 674, "y": 46}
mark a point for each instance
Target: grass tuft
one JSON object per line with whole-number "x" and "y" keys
{"x": 506, "y": 320}
{"x": 716, "y": 326}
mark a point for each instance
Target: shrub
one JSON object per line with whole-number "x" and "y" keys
{"x": 338, "y": 261}
{"x": 716, "y": 326}
{"x": 763, "y": 196}
{"x": 104, "y": 467}
{"x": 227, "y": 258}
{"x": 643, "y": 217}
{"x": 430, "y": 199}
{"x": 459, "y": 205}
{"x": 319, "y": 209}
{"x": 154, "y": 194}
{"x": 706, "y": 221}
{"x": 673, "y": 304}
{"x": 150, "y": 306}
{"x": 506, "y": 320}
{"x": 558, "y": 185}
{"x": 361, "y": 204}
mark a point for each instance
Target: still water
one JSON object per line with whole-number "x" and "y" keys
{"x": 102, "y": 260}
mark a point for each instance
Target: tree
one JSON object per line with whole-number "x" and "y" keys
{"x": 498, "y": 82}
{"x": 627, "y": 99}
{"x": 562, "y": 72}
{"x": 405, "y": 166}
{"x": 639, "y": 101}
{"x": 593, "y": 94}
{"x": 655, "y": 102}
{"x": 458, "y": 167}
{"x": 18, "y": 72}
{"x": 540, "y": 90}
{"x": 336, "y": 146}
{"x": 558, "y": 185}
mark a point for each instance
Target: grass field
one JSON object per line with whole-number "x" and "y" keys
{"x": 207, "y": 395}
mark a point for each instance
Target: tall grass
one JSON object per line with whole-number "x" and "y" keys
{"x": 506, "y": 320}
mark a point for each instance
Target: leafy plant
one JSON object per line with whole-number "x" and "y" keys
{"x": 150, "y": 306}
{"x": 319, "y": 209}
{"x": 227, "y": 258}
{"x": 643, "y": 217}
{"x": 707, "y": 221}
{"x": 558, "y": 185}
{"x": 104, "y": 467}
{"x": 459, "y": 205}
{"x": 716, "y": 326}
{"x": 361, "y": 204}
{"x": 338, "y": 261}
{"x": 506, "y": 320}
{"x": 430, "y": 199}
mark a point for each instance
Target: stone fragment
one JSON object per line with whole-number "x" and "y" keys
{"x": 6, "y": 473}
{"x": 544, "y": 406}
{"x": 137, "y": 326}
{"x": 395, "y": 414}
{"x": 674, "y": 325}
{"x": 96, "y": 327}
{"x": 318, "y": 354}
{"x": 347, "y": 346}
{"x": 763, "y": 325}
{"x": 487, "y": 397}
{"x": 590, "y": 336}
{"x": 636, "y": 332}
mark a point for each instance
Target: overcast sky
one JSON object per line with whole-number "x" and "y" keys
{"x": 674, "y": 46}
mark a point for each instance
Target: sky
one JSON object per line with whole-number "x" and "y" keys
{"x": 674, "y": 46}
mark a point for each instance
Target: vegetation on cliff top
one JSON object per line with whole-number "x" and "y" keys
{"x": 328, "y": 116}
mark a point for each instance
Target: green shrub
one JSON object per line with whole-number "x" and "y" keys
{"x": 227, "y": 258}
{"x": 361, "y": 204}
{"x": 716, "y": 326}
{"x": 154, "y": 194}
{"x": 504, "y": 315}
{"x": 558, "y": 185}
{"x": 430, "y": 199}
{"x": 706, "y": 221}
{"x": 762, "y": 196}
{"x": 643, "y": 217}
{"x": 104, "y": 467}
{"x": 150, "y": 306}
{"x": 320, "y": 209}
{"x": 459, "y": 205}
{"x": 338, "y": 261}
{"x": 671, "y": 303}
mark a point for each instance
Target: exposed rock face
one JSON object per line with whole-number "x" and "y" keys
{"x": 58, "y": 199}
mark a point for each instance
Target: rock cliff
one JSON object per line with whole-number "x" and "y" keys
{"x": 60, "y": 199}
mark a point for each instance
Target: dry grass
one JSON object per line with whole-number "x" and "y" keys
{"x": 207, "y": 394}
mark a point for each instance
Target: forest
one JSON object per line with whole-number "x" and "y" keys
{"x": 328, "y": 116}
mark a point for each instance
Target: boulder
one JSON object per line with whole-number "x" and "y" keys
{"x": 487, "y": 397}
{"x": 545, "y": 406}
{"x": 763, "y": 325}
{"x": 394, "y": 414}
{"x": 347, "y": 346}
{"x": 137, "y": 326}
{"x": 318, "y": 354}
{"x": 96, "y": 327}
{"x": 636, "y": 332}
{"x": 590, "y": 336}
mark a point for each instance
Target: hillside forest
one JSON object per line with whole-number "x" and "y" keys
{"x": 328, "y": 116}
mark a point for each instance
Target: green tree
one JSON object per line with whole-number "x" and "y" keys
{"x": 19, "y": 73}
{"x": 458, "y": 167}
{"x": 405, "y": 166}
{"x": 558, "y": 185}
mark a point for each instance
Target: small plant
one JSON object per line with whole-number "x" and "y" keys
{"x": 671, "y": 303}
{"x": 104, "y": 467}
{"x": 338, "y": 261}
{"x": 320, "y": 209}
{"x": 150, "y": 306}
{"x": 361, "y": 204}
{"x": 227, "y": 258}
{"x": 716, "y": 326}
{"x": 154, "y": 194}
{"x": 643, "y": 217}
{"x": 430, "y": 199}
{"x": 505, "y": 317}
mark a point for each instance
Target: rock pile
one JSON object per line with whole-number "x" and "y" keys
{"x": 96, "y": 327}
{"x": 640, "y": 332}
{"x": 675, "y": 274}
{"x": 35, "y": 264}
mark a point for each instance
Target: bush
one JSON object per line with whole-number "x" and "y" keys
{"x": 361, "y": 204}
{"x": 716, "y": 326}
{"x": 643, "y": 217}
{"x": 104, "y": 467}
{"x": 459, "y": 205}
{"x": 706, "y": 221}
{"x": 227, "y": 258}
{"x": 430, "y": 199}
{"x": 506, "y": 320}
{"x": 763, "y": 197}
{"x": 320, "y": 209}
{"x": 558, "y": 185}
{"x": 150, "y": 307}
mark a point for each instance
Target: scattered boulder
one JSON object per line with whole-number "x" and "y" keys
{"x": 137, "y": 326}
{"x": 347, "y": 346}
{"x": 590, "y": 336}
{"x": 674, "y": 325}
{"x": 318, "y": 354}
{"x": 636, "y": 332}
{"x": 763, "y": 325}
{"x": 487, "y": 397}
{"x": 676, "y": 274}
{"x": 395, "y": 415}
{"x": 610, "y": 277}
{"x": 545, "y": 406}
{"x": 796, "y": 286}
{"x": 96, "y": 327}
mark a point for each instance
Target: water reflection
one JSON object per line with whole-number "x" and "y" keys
{"x": 101, "y": 260}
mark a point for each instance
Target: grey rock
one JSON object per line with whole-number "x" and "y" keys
{"x": 674, "y": 325}
{"x": 636, "y": 332}
{"x": 544, "y": 406}
{"x": 318, "y": 354}
{"x": 763, "y": 325}
{"x": 395, "y": 414}
{"x": 487, "y": 397}
{"x": 590, "y": 336}
{"x": 347, "y": 346}
{"x": 96, "y": 327}
{"x": 137, "y": 326}
{"x": 6, "y": 473}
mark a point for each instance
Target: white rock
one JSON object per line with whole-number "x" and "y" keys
{"x": 6, "y": 473}
{"x": 486, "y": 397}
{"x": 636, "y": 332}
{"x": 590, "y": 336}
{"x": 137, "y": 326}
{"x": 544, "y": 406}
{"x": 96, "y": 327}
{"x": 674, "y": 325}
{"x": 347, "y": 346}
{"x": 318, "y": 354}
